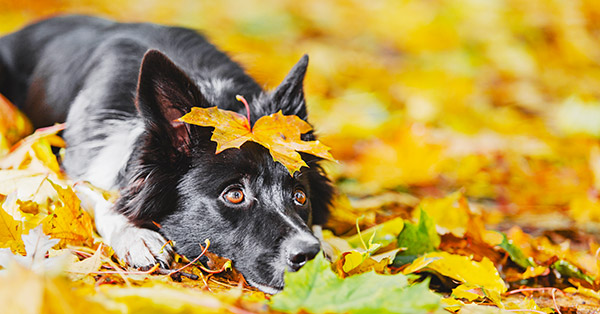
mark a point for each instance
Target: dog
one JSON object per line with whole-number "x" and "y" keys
{"x": 120, "y": 88}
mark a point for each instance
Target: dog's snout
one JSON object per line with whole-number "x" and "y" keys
{"x": 301, "y": 251}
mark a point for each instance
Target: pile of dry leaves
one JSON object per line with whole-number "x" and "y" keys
{"x": 468, "y": 174}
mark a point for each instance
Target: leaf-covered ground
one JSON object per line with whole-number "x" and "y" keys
{"x": 467, "y": 139}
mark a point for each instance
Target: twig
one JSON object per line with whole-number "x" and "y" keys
{"x": 554, "y": 299}
{"x": 82, "y": 253}
{"x": 119, "y": 271}
{"x": 147, "y": 272}
{"x": 207, "y": 242}
{"x": 535, "y": 311}
{"x": 532, "y": 289}
{"x": 163, "y": 271}
{"x": 553, "y": 291}
{"x": 205, "y": 282}
{"x": 222, "y": 269}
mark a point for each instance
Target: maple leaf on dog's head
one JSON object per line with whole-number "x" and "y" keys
{"x": 279, "y": 133}
{"x": 231, "y": 129}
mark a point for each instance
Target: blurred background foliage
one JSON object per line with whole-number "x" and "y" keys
{"x": 497, "y": 97}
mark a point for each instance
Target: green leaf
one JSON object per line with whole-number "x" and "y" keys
{"x": 569, "y": 270}
{"x": 417, "y": 239}
{"x": 515, "y": 253}
{"x": 316, "y": 289}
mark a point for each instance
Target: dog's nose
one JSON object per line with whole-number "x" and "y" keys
{"x": 301, "y": 251}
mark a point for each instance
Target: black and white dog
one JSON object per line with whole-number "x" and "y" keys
{"x": 119, "y": 87}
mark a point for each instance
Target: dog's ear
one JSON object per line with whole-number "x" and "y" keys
{"x": 289, "y": 95}
{"x": 164, "y": 94}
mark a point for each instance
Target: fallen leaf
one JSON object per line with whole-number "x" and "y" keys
{"x": 36, "y": 245}
{"x": 463, "y": 269}
{"x": 525, "y": 304}
{"x": 482, "y": 309}
{"x": 27, "y": 184}
{"x": 10, "y": 233}
{"x": 571, "y": 271}
{"x": 35, "y": 151}
{"x": 417, "y": 239}
{"x": 24, "y": 291}
{"x": 516, "y": 255}
{"x": 451, "y": 213}
{"x": 163, "y": 298}
{"x": 467, "y": 292}
{"x": 316, "y": 289}
{"x": 383, "y": 234}
{"x": 69, "y": 222}
{"x": 87, "y": 265}
{"x": 14, "y": 125}
{"x": 352, "y": 260}
{"x": 28, "y": 207}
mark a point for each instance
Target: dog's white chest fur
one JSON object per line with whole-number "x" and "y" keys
{"x": 104, "y": 168}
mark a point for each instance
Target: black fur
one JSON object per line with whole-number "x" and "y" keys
{"x": 106, "y": 78}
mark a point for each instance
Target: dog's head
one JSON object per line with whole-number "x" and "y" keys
{"x": 249, "y": 206}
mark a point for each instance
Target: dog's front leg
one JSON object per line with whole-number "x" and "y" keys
{"x": 138, "y": 247}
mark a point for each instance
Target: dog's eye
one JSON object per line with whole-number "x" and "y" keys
{"x": 299, "y": 197}
{"x": 234, "y": 196}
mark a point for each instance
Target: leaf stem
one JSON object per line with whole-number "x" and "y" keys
{"x": 532, "y": 289}
{"x": 204, "y": 249}
{"x": 222, "y": 269}
{"x": 525, "y": 310}
{"x": 553, "y": 290}
{"x": 146, "y": 272}
{"x": 359, "y": 234}
{"x": 243, "y": 100}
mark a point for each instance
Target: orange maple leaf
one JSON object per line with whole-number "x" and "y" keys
{"x": 278, "y": 133}
{"x": 68, "y": 222}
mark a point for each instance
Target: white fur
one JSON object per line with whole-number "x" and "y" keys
{"x": 212, "y": 88}
{"x": 263, "y": 288}
{"x": 117, "y": 148}
{"x": 136, "y": 246}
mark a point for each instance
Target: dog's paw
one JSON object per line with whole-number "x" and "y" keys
{"x": 140, "y": 247}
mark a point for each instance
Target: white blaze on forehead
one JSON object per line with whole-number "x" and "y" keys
{"x": 297, "y": 226}
{"x": 279, "y": 199}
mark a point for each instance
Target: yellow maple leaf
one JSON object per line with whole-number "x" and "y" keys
{"x": 383, "y": 234}
{"x": 462, "y": 268}
{"x": 353, "y": 259}
{"x": 24, "y": 291}
{"x": 451, "y": 213}
{"x": 467, "y": 292}
{"x": 355, "y": 262}
{"x": 35, "y": 151}
{"x": 68, "y": 222}
{"x": 277, "y": 132}
{"x": 10, "y": 233}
